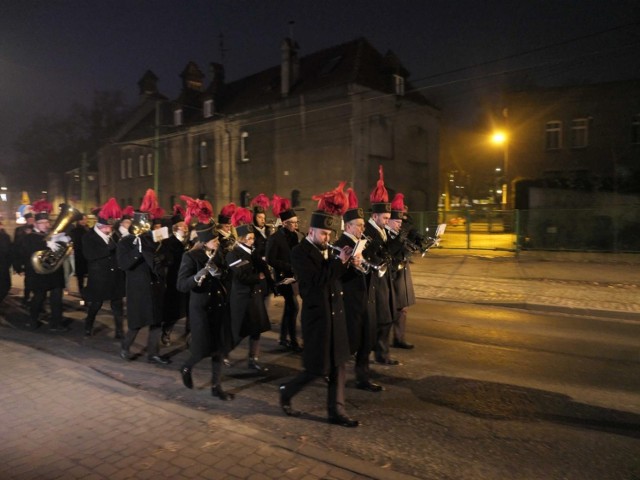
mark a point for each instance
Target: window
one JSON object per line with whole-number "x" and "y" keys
{"x": 579, "y": 132}
{"x": 123, "y": 169}
{"x": 244, "y": 147}
{"x": 177, "y": 117}
{"x": 202, "y": 154}
{"x": 635, "y": 129}
{"x": 553, "y": 136}
{"x": 398, "y": 84}
{"x": 129, "y": 167}
{"x": 141, "y": 166}
{"x": 149, "y": 164}
{"x": 207, "y": 108}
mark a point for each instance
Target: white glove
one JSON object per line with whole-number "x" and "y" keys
{"x": 123, "y": 231}
{"x": 61, "y": 237}
{"x": 53, "y": 246}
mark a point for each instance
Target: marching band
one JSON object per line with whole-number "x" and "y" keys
{"x": 355, "y": 291}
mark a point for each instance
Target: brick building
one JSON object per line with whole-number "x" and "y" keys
{"x": 295, "y": 129}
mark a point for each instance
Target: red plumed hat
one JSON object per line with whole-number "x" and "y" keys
{"x": 260, "y": 203}
{"x": 354, "y": 211}
{"x": 242, "y": 216}
{"x": 226, "y": 213}
{"x": 201, "y": 210}
{"x": 149, "y": 202}
{"x": 109, "y": 212}
{"x": 178, "y": 214}
{"x": 281, "y": 208}
{"x": 397, "y": 206}
{"x": 379, "y": 197}
{"x": 127, "y": 212}
{"x": 41, "y": 209}
{"x": 335, "y": 202}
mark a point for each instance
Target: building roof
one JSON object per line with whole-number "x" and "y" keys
{"x": 356, "y": 61}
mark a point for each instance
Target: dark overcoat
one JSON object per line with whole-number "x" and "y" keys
{"x": 144, "y": 279}
{"x": 361, "y": 323}
{"x": 380, "y": 290}
{"x": 208, "y": 306}
{"x": 324, "y": 328}
{"x": 401, "y": 281}
{"x": 105, "y": 280}
{"x": 6, "y": 252}
{"x": 278, "y": 253}
{"x": 248, "y": 313}
{"x": 29, "y": 244}
{"x": 80, "y": 260}
{"x": 175, "y": 301}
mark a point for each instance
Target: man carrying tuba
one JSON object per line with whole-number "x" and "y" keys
{"x": 51, "y": 281}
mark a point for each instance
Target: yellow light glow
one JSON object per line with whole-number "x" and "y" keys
{"x": 499, "y": 138}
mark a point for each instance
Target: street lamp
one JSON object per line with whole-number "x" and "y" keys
{"x": 501, "y": 138}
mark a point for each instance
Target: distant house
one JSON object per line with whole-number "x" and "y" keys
{"x": 584, "y": 138}
{"x": 295, "y": 129}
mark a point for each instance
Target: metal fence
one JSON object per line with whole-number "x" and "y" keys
{"x": 610, "y": 229}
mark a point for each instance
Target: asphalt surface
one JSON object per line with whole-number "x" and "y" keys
{"x": 71, "y": 408}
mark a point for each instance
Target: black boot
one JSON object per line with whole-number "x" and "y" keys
{"x": 217, "y": 391}
{"x": 88, "y": 326}
{"x": 187, "y": 379}
{"x": 254, "y": 365}
{"x": 119, "y": 330}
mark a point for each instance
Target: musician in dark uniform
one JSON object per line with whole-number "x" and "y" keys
{"x": 248, "y": 314}
{"x": 105, "y": 280}
{"x": 41, "y": 284}
{"x": 208, "y": 307}
{"x": 6, "y": 253}
{"x": 138, "y": 255}
{"x": 278, "y": 256}
{"x": 402, "y": 282}
{"x": 326, "y": 349}
{"x": 79, "y": 260}
{"x": 377, "y": 253}
{"x": 361, "y": 323}
{"x": 175, "y": 301}
{"x": 19, "y": 261}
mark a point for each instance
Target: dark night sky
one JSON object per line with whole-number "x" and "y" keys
{"x": 55, "y": 52}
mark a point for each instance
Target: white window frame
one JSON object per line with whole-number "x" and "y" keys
{"x": 141, "y": 166}
{"x": 580, "y": 133}
{"x": 178, "y": 119}
{"x": 635, "y": 129}
{"x": 149, "y": 164}
{"x": 398, "y": 85}
{"x": 207, "y": 108}
{"x": 202, "y": 154}
{"x": 123, "y": 168}
{"x": 553, "y": 129}
{"x": 129, "y": 167}
{"x": 244, "y": 151}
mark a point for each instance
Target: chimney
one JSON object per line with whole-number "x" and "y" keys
{"x": 217, "y": 78}
{"x": 148, "y": 85}
{"x": 290, "y": 67}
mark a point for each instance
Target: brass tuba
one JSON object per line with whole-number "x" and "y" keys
{"x": 48, "y": 261}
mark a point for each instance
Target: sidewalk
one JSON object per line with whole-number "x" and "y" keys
{"x": 579, "y": 284}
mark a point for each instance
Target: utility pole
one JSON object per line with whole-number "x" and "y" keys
{"x": 83, "y": 181}
{"x": 156, "y": 151}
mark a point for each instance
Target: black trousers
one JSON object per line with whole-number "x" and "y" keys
{"x": 335, "y": 393}
{"x": 216, "y": 366}
{"x": 55, "y": 302}
{"x": 289, "y": 314}
{"x": 382, "y": 342}
{"x": 153, "y": 341}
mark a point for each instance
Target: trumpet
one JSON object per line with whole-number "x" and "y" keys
{"x": 365, "y": 266}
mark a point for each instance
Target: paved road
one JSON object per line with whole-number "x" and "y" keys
{"x": 73, "y": 409}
